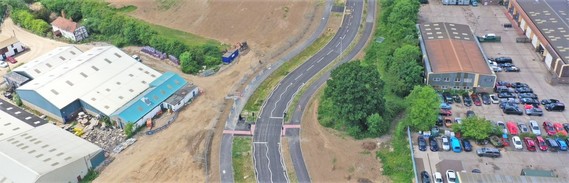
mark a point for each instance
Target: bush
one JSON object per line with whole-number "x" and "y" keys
{"x": 27, "y": 21}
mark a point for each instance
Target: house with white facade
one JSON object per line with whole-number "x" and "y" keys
{"x": 10, "y": 46}
{"x": 69, "y": 29}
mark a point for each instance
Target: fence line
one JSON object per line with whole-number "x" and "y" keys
{"x": 412, "y": 153}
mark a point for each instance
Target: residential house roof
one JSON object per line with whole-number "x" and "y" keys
{"x": 65, "y": 24}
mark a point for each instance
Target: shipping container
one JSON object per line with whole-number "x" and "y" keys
{"x": 452, "y": 2}
{"x": 445, "y": 2}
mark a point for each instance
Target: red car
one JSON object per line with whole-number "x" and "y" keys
{"x": 445, "y": 112}
{"x": 513, "y": 128}
{"x": 530, "y": 144}
{"x": 476, "y": 99}
{"x": 559, "y": 129}
{"x": 548, "y": 127}
{"x": 541, "y": 143}
{"x": 12, "y": 60}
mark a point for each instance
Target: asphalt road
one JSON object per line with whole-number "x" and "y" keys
{"x": 269, "y": 166}
{"x": 294, "y": 134}
{"x": 225, "y": 158}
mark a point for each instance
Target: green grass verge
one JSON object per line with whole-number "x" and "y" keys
{"x": 396, "y": 158}
{"x": 256, "y": 100}
{"x": 243, "y": 160}
{"x": 126, "y": 9}
{"x": 91, "y": 175}
{"x": 187, "y": 38}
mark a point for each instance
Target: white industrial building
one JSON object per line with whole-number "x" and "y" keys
{"x": 35, "y": 151}
{"x": 47, "y": 62}
{"x": 10, "y": 46}
{"x": 98, "y": 81}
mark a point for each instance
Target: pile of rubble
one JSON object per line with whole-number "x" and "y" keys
{"x": 106, "y": 138}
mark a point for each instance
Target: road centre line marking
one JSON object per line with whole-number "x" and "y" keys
{"x": 319, "y": 60}
{"x": 329, "y": 52}
{"x": 298, "y": 77}
{"x": 310, "y": 68}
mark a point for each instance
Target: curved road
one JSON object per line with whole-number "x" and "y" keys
{"x": 225, "y": 157}
{"x": 269, "y": 166}
{"x": 294, "y": 133}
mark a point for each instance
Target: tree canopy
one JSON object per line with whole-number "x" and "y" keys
{"x": 475, "y": 128}
{"x": 423, "y": 106}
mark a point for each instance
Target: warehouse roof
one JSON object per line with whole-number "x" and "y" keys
{"x": 6, "y": 41}
{"x": 180, "y": 94}
{"x": 161, "y": 88}
{"x": 104, "y": 77}
{"x": 17, "y": 113}
{"x": 452, "y": 48}
{"x": 552, "y": 19}
{"x": 28, "y": 155}
{"x": 48, "y": 61}
{"x": 477, "y": 177}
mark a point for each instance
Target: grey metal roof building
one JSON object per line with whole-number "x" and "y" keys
{"x": 479, "y": 178}
{"x": 546, "y": 23}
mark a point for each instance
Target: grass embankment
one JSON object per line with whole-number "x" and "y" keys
{"x": 258, "y": 97}
{"x": 396, "y": 158}
{"x": 185, "y": 37}
{"x": 243, "y": 160}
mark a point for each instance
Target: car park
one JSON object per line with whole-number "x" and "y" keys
{"x": 425, "y": 177}
{"x": 451, "y": 176}
{"x": 488, "y": 152}
{"x": 553, "y": 145}
{"x": 541, "y": 143}
{"x": 512, "y": 128}
{"x": 517, "y": 142}
{"x": 505, "y": 95}
{"x": 527, "y": 95}
{"x": 502, "y": 126}
{"x": 467, "y": 100}
{"x": 494, "y": 99}
{"x": 446, "y": 143}
{"x": 523, "y": 127}
{"x": 534, "y": 127}
{"x": 476, "y": 100}
{"x": 559, "y": 129}
{"x": 455, "y": 145}
{"x": 549, "y": 101}
{"x": 560, "y": 107}
{"x": 530, "y": 144}
{"x": 434, "y": 144}
{"x": 422, "y": 143}
{"x": 562, "y": 144}
{"x": 549, "y": 129}
{"x": 466, "y": 145}
{"x": 437, "y": 177}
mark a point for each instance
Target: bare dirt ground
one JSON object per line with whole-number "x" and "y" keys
{"x": 332, "y": 156}
{"x": 266, "y": 25}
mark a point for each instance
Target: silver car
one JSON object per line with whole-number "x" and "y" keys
{"x": 534, "y": 126}
{"x": 446, "y": 143}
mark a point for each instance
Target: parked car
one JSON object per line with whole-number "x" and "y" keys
{"x": 455, "y": 145}
{"x": 549, "y": 101}
{"x": 512, "y": 128}
{"x": 12, "y": 60}
{"x": 517, "y": 143}
{"x": 523, "y": 127}
{"x": 466, "y": 145}
{"x": 530, "y": 144}
{"x": 512, "y": 69}
{"x": 524, "y": 90}
{"x": 555, "y": 107}
{"x": 470, "y": 113}
{"x": 502, "y": 60}
{"x": 446, "y": 143}
{"x": 494, "y": 99}
{"x": 485, "y": 98}
{"x": 467, "y": 100}
{"x": 527, "y": 95}
{"x": 425, "y": 177}
{"x": 439, "y": 121}
{"x": 559, "y": 129}
{"x": 476, "y": 99}
{"x": 505, "y": 95}
{"x": 422, "y": 143}
{"x": 434, "y": 144}
{"x": 448, "y": 122}
{"x": 512, "y": 110}
{"x": 458, "y": 120}
{"x": 495, "y": 68}
{"x": 445, "y": 112}
{"x": 503, "y": 83}
{"x": 549, "y": 129}
{"x": 529, "y": 101}
{"x": 566, "y": 126}
{"x": 541, "y": 143}
{"x": 448, "y": 97}
{"x": 3, "y": 64}
{"x": 500, "y": 89}
{"x": 488, "y": 152}
{"x": 533, "y": 110}
{"x": 518, "y": 85}
{"x": 562, "y": 144}
{"x": 451, "y": 176}
{"x": 496, "y": 141}
{"x": 505, "y": 65}
{"x": 456, "y": 98}
{"x": 502, "y": 126}
{"x": 438, "y": 177}
{"x": 445, "y": 106}
{"x": 534, "y": 127}
{"x": 553, "y": 145}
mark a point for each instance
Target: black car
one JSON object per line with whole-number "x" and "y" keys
{"x": 434, "y": 144}
{"x": 519, "y": 85}
{"x": 422, "y": 143}
{"x": 549, "y": 101}
{"x": 512, "y": 110}
{"x": 524, "y": 90}
{"x": 456, "y": 99}
{"x": 470, "y": 113}
{"x": 553, "y": 145}
{"x": 511, "y": 69}
{"x": 504, "y": 65}
{"x": 501, "y": 60}
{"x": 439, "y": 121}
{"x": 507, "y": 104}
{"x": 467, "y": 100}
{"x": 448, "y": 97}
{"x": 527, "y": 95}
{"x": 425, "y": 177}
{"x": 503, "y": 83}
{"x": 566, "y": 126}
{"x": 529, "y": 101}
{"x": 555, "y": 107}
{"x": 505, "y": 95}
{"x": 466, "y": 145}
{"x": 485, "y": 98}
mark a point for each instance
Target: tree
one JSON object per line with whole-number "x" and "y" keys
{"x": 129, "y": 129}
{"x": 17, "y": 100}
{"x": 376, "y": 125}
{"x": 474, "y": 128}
{"x": 423, "y": 106}
{"x": 405, "y": 70}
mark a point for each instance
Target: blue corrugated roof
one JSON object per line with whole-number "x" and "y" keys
{"x": 160, "y": 89}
